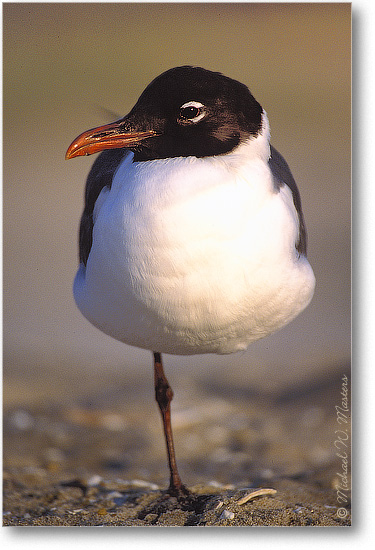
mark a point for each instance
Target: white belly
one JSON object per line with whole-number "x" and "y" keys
{"x": 188, "y": 262}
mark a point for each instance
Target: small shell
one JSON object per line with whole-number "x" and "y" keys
{"x": 254, "y": 494}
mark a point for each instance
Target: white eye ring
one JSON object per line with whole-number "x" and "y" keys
{"x": 197, "y": 118}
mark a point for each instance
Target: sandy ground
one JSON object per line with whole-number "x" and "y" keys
{"x": 99, "y": 459}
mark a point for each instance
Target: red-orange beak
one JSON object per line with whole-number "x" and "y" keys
{"x": 109, "y": 136}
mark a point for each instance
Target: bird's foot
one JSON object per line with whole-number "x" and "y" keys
{"x": 180, "y": 492}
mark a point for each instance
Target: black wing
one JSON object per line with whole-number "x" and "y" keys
{"x": 283, "y": 176}
{"x": 100, "y": 176}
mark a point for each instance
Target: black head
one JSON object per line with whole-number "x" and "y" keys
{"x": 186, "y": 111}
{"x": 197, "y": 113}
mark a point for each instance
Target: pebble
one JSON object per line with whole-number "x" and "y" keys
{"x": 144, "y": 484}
{"x": 22, "y": 420}
{"x": 114, "y": 494}
{"x": 94, "y": 481}
{"x": 227, "y": 514}
{"x": 113, "y": 422}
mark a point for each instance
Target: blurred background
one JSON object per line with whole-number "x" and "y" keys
{"x": 70, "y": 67}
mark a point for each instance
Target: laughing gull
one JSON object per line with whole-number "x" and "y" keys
{"x": 192, "y": 238}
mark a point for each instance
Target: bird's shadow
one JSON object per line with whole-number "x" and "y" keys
{"x": 189, "y": 502}
{"x": 194, "y": 504}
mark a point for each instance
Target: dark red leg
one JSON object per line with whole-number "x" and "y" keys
{"x": 164, "y": 395}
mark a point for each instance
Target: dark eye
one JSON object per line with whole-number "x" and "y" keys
{"x": 189, "y": 112}
{"x": 193, "y": 111}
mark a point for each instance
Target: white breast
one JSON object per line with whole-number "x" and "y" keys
{"x": 194, "y": 255}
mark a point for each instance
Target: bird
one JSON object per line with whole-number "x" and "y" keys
{"x": 192, "y": 238}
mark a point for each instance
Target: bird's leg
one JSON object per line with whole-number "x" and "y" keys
{"x": 164, "y": 395}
